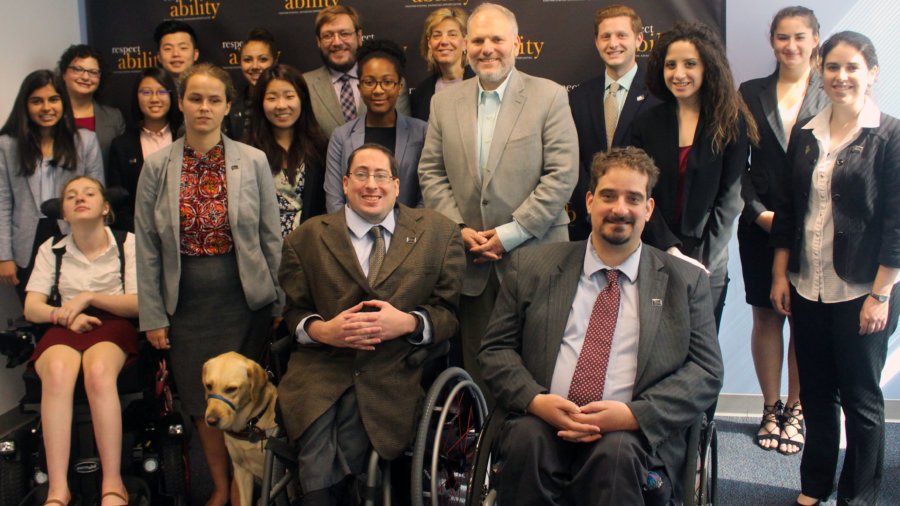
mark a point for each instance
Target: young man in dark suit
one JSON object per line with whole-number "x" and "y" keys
{"x": 604, "y": 106}
{"x": 603, "y": 352}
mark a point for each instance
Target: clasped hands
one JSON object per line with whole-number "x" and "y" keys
{"x": 363, "y": 326}
{"x": 70, "y": 314}
{"x": 485, "y": 246}
{"x": 582, "y": 424}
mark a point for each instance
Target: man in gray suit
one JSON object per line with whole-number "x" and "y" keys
{"x": 334, "y": 87}
{"x": 500, "y": 160}
{"x": 604, "y": 352}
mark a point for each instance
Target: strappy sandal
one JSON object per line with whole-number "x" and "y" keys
{"x": 117, "y": 495}
{"x": 59, "y": 501}
{"x": 770, "y": 426}
{"x": 791, "y": 419}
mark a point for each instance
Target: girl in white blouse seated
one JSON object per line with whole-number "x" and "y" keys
{"x": 90, "y": 331}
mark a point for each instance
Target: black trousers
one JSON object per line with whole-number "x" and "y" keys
{"x": 840, "y": 369}
{"x": 539, "y": 469}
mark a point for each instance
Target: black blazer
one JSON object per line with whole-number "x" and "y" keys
{"x": 586, "y": 102}
{"x": 313, "y": 196}
{"x": 125, "y": 161}
{"x": 865, "y": 196}
{"x": 768, "y": 161}
{"x": 420, "y": 98}
{"x": 712, "y": 186}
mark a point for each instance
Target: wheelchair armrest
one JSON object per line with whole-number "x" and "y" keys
{"x": 282, "y": 345}
{"x": 427, "y": 353}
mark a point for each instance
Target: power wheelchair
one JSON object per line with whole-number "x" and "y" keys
{"x": 155, "y": 435}
{"x": 435, "y": 469}
{"x": 698, "y": 478}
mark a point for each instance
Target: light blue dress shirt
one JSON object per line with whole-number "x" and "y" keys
{"x": 624, "y": 85}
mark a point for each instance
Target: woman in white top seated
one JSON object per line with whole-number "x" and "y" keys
{"x": 88, "y": 307}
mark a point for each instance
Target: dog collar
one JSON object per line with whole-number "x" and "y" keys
{"x": 252, "y": 433}
{"x": 220, "y": 398}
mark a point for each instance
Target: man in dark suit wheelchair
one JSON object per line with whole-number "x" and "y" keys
{"x": 81, "y": 298}
{"x": 602, "y": 356}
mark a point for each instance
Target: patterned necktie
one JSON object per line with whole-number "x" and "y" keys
{"x": 348, "y": 104}
{"x": 611, "y": 113}
{"x": 590, "y": 371}
{"x": 376, "y": 256}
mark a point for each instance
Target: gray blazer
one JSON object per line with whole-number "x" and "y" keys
{"x": 679, "y": 364}
{"x": 19, "y": 215}
{"x": 252, "y": 214}
{"x": 349, "y": 136}
{"x": 108, "y": 124}
{"x": 531, "y": 170}
{"x": 325, "y": 102}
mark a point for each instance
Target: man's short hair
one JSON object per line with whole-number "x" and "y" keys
{"x": 508, "y": 14}
{"x": 615, "y": 11}
{"x": 395, "y": 165}
{"x": 173, "y": 26}
{"x": 630, "y": 157}
{"x": 329, "y": 14}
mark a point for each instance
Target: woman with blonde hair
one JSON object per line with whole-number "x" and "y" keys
{"x": 443, "y": 46}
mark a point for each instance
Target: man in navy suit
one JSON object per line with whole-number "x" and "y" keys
{"x": 618, "y": 32}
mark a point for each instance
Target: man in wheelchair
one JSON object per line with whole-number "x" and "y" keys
{"x": 365, "y": 287}
{"x": 603, "y": 352}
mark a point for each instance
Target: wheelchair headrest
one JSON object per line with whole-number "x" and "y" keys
{"x": 53, "y": 208}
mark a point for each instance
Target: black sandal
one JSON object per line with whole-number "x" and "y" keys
{"x": 772, "y": 414}
{"x": 791, "y": 418}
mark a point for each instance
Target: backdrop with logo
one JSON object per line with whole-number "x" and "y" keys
{"x": 556, "y": 35}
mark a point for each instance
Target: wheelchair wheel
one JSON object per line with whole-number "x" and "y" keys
{"x": 175, "y": 473}
{"x": 708, "y": 467}
{"x": 454, "y": 414}
{"x": 278, "y": 482}
{"x": 13, "y": 482}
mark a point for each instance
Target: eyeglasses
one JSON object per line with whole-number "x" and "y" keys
{"x": 381, "y": 177}
{"x": 92, "y": 73}
{"x": 147, "y": 93}
{"x": 343, "y": 35}
{"x": 386, "y": 84}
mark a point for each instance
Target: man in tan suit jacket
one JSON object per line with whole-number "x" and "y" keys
{"x": 500, "y": 160}
{"x": 358, "y": 315}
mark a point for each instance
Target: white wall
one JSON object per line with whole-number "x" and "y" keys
{"x": 35, "y": 33}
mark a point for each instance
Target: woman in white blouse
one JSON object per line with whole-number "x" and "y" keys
{"x": 88, "y": 307}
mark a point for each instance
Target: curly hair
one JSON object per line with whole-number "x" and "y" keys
{"x": 628, "y": 157}
{"x": 721, "y": 106}
{"x": 382, "y": 48}
{"x": 83, "y": 51}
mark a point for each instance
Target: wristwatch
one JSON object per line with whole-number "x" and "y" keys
{"x": 880, "y": 298}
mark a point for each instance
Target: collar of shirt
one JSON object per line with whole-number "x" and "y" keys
{"x": 593, "y": 264}
{"x": 336, "y": 74}
{"x": 164, "y": 131}
{"x": 869, "y": 117}
{"x": 217, "y": 151}
{"x": 501, "y": 90}
{"x": 624, "y": 81}
{"x": 72, "y": 249}
{"x": 360, "y": 227}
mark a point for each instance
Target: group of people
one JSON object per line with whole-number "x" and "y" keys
{"x": 368, "y": 221}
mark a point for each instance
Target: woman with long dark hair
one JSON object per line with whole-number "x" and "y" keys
{"x": 698, "y": 138}
{"x": 837, "y": 262}
{"x": 284, "y": 127}
{"x": 40, "y": 151}
{"x": 789, "y": 96}
{"x": 208, "y": 249}
{"x": 154, "y": 103}
{"x": 258, "y": 52}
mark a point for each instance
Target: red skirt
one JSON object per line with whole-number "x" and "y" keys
{"x": 116, "y": 330}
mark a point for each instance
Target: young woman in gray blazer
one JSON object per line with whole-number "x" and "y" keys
{"x": 208, "y": 249}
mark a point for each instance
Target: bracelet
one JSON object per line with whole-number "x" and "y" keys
{"x": 53, "y": 316}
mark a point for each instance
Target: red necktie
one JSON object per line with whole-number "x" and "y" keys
{"x": 590, "y": 371}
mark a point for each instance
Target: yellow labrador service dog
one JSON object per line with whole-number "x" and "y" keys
{"x": 241, "y": 402}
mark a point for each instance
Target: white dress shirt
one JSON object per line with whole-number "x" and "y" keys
{"x": 353, "y": 82}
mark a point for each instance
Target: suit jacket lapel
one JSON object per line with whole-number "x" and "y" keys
{"x": 173, "y": 185}
{"x": 357, "y": 135}
{"x": 406, "y": 235}
{"x": 402, "y": 138}
{"x": 813, "y": 101}
{"x": 563, "y": 285}
{"x": 597, "y": 112}
{"x": 652, "y": 284}
{"x": 336, "y": 239}
{"x": 325, "y": 89}
{"x": 636, "y": 96}
{"x": 233, "y": 175}
{"x": 768, "y": 98}
{"x": 510, "y": 108}
{"x": 466, "y": 118}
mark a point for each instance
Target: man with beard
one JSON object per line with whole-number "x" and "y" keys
{"x": 500, "y": 160}
{"x": 603, "y": 352}
{"x": 334, "y": 87}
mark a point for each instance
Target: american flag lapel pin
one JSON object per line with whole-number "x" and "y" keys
{"x": 411, "y": 240}
{"x": 234, "y": 167}
{"x": 641, "y": 98}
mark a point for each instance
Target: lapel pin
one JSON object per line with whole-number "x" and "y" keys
{"x": 411, "y": 240}
{"x": 641, "y": 98}
{"x": 656, "y": 302}
{"x": 807, "y": 150}
{"x": 234, "y": 167}
{"x": 133, "y": 161}
{"x": 856, "y": 149}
